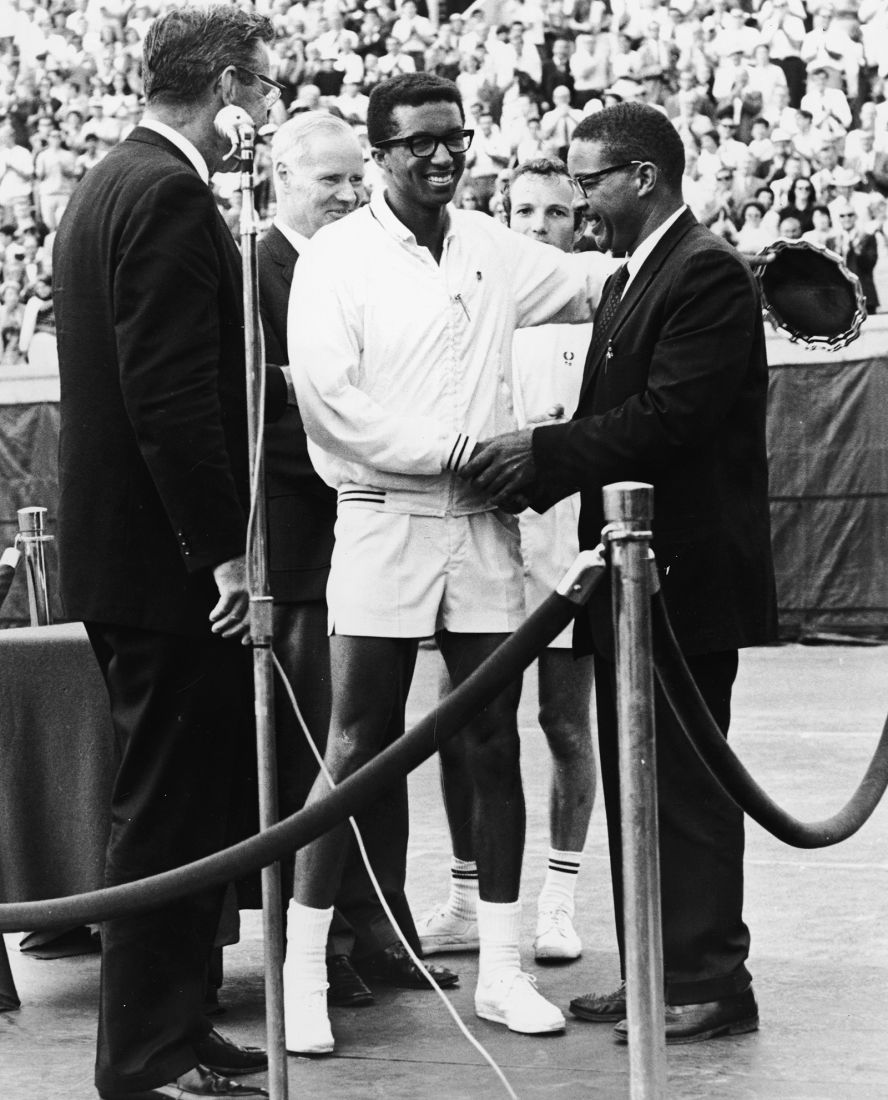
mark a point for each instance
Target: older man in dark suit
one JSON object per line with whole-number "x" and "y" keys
{"x": 674, "y": 393}
{"x": 153, "y": 522}
{"x": 318, "y": 176}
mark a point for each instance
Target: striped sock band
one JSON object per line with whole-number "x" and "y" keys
{"x": 463, "y": 900}
{"x": 561, "y": 881}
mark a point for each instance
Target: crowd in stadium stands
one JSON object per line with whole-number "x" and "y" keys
{"x": 781, "y": 104}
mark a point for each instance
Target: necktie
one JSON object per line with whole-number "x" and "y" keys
{"x": 607, "y": 311}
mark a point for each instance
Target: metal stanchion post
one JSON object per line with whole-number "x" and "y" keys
{"x": 628, "y": 510}
{"x": 261, "y": 621}
{"x": 32, "y": 540}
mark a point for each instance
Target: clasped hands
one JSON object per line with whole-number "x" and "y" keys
{"x": 503, "y": 468}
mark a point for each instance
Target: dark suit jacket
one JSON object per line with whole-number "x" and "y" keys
{"x": 301, "y": 508}
{"x": 681, "y": 404}
{"x": 153, "y": 444}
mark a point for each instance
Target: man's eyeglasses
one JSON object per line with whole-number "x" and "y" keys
{"x": 426, "y": 145}
{"x": 589, "y": 180}
{"x": 271, "y": 90}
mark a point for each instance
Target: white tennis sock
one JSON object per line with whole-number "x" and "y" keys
{"x": 499, "y": 928}
{"x": 561, "y": 881}
{"x": 307, "y": 929}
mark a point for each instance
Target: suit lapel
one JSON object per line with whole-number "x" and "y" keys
{"x": 281, "y": 253}
{"x": 633, "y": 294}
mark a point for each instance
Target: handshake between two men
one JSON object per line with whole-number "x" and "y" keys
{"x": 503, "y": 468}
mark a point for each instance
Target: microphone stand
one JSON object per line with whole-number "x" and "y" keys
{"x": 261, "y": 626}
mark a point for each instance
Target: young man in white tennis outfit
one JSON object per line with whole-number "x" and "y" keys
{"x": 400, "y": 328}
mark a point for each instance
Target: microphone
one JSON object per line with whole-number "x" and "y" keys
{"x": 234, "y": 124}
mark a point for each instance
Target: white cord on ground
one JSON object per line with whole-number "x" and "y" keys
{"x": 418, "y": 962}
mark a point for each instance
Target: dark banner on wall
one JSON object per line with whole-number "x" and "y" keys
{"x": 828, "y": 448}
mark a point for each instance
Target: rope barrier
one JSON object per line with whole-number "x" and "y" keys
{"x": 708, "y": 740}
{"x": 347, "y": 799}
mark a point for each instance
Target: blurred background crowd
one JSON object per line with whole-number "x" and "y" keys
{"x": 781, "y": 105}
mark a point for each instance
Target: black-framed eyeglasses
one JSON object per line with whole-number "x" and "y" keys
{"x": 272, "y": 91}
{"x": 426, "y": 145}
{"x": 588, "y": 180}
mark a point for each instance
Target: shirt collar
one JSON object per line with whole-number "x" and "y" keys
{"x": 387, "y": 218}
{"x": 181, "y": 143}
{"x": 647, "y": 246}
{"x": 297, "y": 240}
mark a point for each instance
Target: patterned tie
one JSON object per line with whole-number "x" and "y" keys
{"x": 607, "y": 311}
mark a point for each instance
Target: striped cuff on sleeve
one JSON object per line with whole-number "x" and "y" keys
{"x": 460, "y": 452}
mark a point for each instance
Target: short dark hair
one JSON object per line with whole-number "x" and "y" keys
{"x": 544, "y": 167}
{"x": 636, "y": 131}
{"x": 409, "y": 90}
{"x": 187, "y": 47}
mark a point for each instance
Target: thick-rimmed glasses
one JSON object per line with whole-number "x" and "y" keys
{"x": 588, "y": 180}
{"x": 426, "y": 145}
{"x": 271, "y": 89}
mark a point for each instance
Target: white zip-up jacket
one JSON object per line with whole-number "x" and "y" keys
{"x": 401, "y": 364}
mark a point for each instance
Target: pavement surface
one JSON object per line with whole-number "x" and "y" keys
{"x": 806, "y": 720}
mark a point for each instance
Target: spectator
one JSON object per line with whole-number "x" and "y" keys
{"x": 824, "y": 176}
{"x": 800, "y": 200}
{"x": 828, "y": 48}
{"x": 16, "y": 174}
{"x": 557, "y": 73}
{"x": 847, "y": 195}
{"x": 782, "y": 30}
{"x": 37, "y": 340}
{"x": 414, "y": 32}
{"x": 765, "y": 77}
{"x": 764, "y": 196}
{"x": 488, "y": 155}
{"x": 395, "y": 61}
{"x": 732, "y": 153}
{"x": 90, "y": 156}
{"x": 590, "y": 68}
{"x": 761, "y": 147}
{"x": 11, "y": 312}
{"x": 823, "y": 232}
{"x": 55, "y": 170}
{"x": 860, "y": 252}
{"x": 789, "y": 227}
{"x": 557, "y": 126}
{"x": 752, "y": 236}
{"x": 826, "y": 104}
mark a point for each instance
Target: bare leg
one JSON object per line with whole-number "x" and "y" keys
{"x": 370, "y": 677}
{"x": 491, "y": 771}
{"x": 565, "y": 687}
{"x": 456, "y": 787}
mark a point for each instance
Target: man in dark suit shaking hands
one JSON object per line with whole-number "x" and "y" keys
{"x": 674, "y": 393}
{"x": 152, "y": 526}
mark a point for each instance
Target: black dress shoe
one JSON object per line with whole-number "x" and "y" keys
{"x": 196, "y": 1084}
{"x": 393, "y": 966}
{"x": 734, "y": 1015}
{"x": 601, "y": 1008}
{"x": 346, "y": 988}
{"x": 223, "y": 1056}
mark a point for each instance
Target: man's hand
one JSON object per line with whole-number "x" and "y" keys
{"x": 231, "y": 615}
{"x": 503, "y": 468}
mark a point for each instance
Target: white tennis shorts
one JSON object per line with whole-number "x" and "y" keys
{"x": 396, "y": 575}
